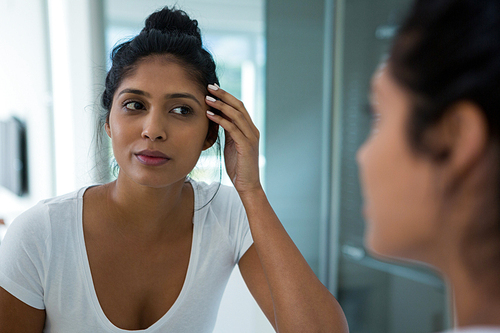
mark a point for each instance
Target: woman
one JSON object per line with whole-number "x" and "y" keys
{"x": 430, "y": 168}
{"x": 152, "y": 250}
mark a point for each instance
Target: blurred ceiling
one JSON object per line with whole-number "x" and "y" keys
{"x": 213, "y": 15}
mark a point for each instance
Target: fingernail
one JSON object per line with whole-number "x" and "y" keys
{"x": 213, "y": 86}
{"x": 210, "y": 113}
{"x": 210, "y": 98}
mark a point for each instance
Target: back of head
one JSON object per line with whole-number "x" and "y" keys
{"x": 446, "y": 51}
{"x": 168, "y": 32}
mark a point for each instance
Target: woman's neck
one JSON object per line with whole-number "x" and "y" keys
{"x": 476, "y": 296}
{"x": 470, "y": 245}
{"x": 142, "y": 209}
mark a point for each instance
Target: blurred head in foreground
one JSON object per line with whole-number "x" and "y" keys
{"x": 430, "y": 167}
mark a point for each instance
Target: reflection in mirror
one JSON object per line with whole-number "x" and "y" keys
{"x": 65, "y": 51}
{"x": 234, "y": 32}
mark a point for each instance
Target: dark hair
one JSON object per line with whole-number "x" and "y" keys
{"x": 447, "y": 51}
{"x": 170, "y": 33}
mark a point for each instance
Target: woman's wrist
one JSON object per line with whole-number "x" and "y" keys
{"x": 250, "y": 194}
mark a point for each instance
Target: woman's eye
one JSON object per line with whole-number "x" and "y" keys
{"x": 182, "y": 110}
{"x": 134, "y": 106}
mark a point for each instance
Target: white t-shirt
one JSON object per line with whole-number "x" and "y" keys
{"x": 44, "y": 263}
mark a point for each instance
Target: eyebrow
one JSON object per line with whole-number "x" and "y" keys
{"x": 167, "y": 96}
{"x": 134, "y": 91}
{"x": 182, "y": 95}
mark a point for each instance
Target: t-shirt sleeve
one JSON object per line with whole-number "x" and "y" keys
{"x": 24, "y": 254}
{"x": 239, "y": 230}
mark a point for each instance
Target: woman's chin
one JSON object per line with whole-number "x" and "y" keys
{"x": 374, "y": 250}
{"x": 387, "y": 251}
{"x": 381, "y": 249}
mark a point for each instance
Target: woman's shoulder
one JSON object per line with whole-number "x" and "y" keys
{"x": 214, "y": 194}
{"x": 221, "y": 209}
{"x": 64, "y": 198}
{"x": 38, "y": 218}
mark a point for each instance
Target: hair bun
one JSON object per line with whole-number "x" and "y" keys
{"x": 173, "y": 20}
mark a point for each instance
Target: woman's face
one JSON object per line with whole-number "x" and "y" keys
{"x": 399, "y": 189}
{"x": 158, "y": 124}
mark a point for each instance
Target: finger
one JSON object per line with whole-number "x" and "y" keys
{"x": 233, "y": 115}
{"x": 230, "y": 100}
{"x": 234, "y": 131}
{"x": 226, "y": 97}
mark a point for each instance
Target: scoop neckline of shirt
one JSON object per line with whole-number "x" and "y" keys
{"x": 89, "y": 283}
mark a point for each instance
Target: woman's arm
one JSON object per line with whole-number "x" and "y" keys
{"x": 18, "y": 317}
{"x": 301, "y": 302}
{"x": 278, "y": 276}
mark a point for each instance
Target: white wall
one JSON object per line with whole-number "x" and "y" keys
{"x": 51, "y": 72}
{"x": 78, "y": 71}
{"x": 25, "y": 93}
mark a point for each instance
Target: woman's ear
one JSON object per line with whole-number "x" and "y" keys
{"x": 213, "y": 133}
{"x": 107, "y": 128}
{"x": 463, "y": 132}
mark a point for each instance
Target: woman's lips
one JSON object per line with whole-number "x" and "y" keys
{"x": 152, "y": 157}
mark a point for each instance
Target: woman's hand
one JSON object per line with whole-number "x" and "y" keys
{"x": 241, "y": 150}
{"x": 287, "y": 290}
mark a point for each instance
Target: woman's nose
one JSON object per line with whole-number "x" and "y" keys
{"x": 154, "y": 128}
